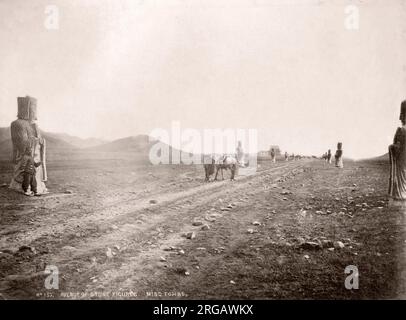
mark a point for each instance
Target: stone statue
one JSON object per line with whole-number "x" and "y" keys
{"x": 25, "y": 133}
{"x": 339, "y": 155}
{"x": 397, "y": 158}
{"x": 329, "y": 156}
{"x": 273, "y": 155}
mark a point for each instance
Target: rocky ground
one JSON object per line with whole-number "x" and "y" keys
{"x": 119, "y": 230}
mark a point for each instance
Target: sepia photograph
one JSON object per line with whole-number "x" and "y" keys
{"x": 228, "y": 150}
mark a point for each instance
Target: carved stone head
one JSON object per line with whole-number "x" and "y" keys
{"x": 339, "y": 145}
{"x": 27, "y": 108}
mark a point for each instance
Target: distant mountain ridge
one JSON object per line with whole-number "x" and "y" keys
{"x": 139, "y": 143}
{"x": 4, "y": 134}
{"x": 64, "y": 145}
{"x": 384, "y": 157}
{"x": 76, "y": 141}
{"x": 61, "y": 144}
{"x": 69, "y": 140}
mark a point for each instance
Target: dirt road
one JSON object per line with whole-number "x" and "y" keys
{"x": 161, "y": 232}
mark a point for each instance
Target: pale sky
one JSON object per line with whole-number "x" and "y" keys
{"x": 287, "y": 68}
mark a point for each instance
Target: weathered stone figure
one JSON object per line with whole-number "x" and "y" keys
{"x": 25, "y": 133}
{"x": 329, "y": 156}
{"x": 339, "y": 155}
{"x": 397, "y": 158}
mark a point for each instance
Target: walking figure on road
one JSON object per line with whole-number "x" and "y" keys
{"x": 397, "y": 158}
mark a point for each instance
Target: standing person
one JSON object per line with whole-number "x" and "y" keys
{"x": 29, "y": 166}
{"x": 397, "y": 158}
{"x": 240, "y": 155}
{"x": 273, "y": 155}
{"x": 339, "y": 155}
{"x": 329, "y": 156}
{"x": 25, "y": 132}
{"x": 286, "y": 156}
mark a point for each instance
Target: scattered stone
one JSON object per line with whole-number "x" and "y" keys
{"x": 251, "y": 231}
{"x": 170, "y": 248}
{"x": 330, "y": 249}
{"x": 68, "y": 191}
{"x": 232, "y": 282}
{"x": 205, "y": 227}
{"x": 306, "y": 256}
{"x": 162, "y": 259}
{"x": 181, "y": 251}
{"x": 190, "y": 235}
{"x": 27, "y": 248}
{"x": 338, "y": 245}
{"x": 327, "y": 243}
{"x": 310, "y": 245}
{"x": 114, "y": 227}
{"x": 109, "y": 253}
{"x": 256, "y": 223}
{"x": 68, "y": 248}
{"x": 197, "y": 223}
{"x": 187, "y": 273}
{"x": 153, "y": 201}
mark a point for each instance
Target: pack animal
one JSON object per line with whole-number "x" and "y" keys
{"x": 227, "y": 162}
{"x": 211, "y": 166}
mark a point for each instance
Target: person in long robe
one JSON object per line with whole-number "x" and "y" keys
{"x": 25, "y": 132}
{"x": 240, "y": 155}
{"x": 397, "y": 159}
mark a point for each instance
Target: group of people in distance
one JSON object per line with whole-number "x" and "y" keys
{"x": 338, "y": 156}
